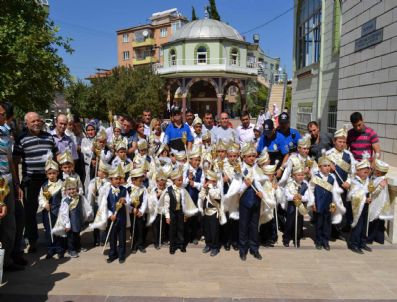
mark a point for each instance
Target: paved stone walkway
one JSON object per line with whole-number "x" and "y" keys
{"x": 284, "y": 274}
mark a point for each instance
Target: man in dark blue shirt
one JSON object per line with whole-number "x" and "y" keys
{"x": 273, "y": 141}
{"x": 176, "y": 130}
{"x": 290, "y": 135}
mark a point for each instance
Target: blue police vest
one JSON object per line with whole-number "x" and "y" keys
{"x": 249, "y": 197}
{"x": 193, "y": 192}
{"x": 323, "y": 197}
{"x": 121, "y": 217}
{"x": 342, "y": 173}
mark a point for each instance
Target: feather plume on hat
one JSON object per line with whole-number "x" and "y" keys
{"x": 324, "y": 160}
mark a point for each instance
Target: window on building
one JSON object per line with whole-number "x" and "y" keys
{"x": 163, "y": 32}
{"x": 332, "y": 111}
{"x": 125, "y": 38}
{"x": 234, "y": 56}
{"x": 202, "y": 55}
{"x": 176, "y": 25}
{"x": 126, "y": 55}
{"x": 304, "y": 116}
{"x": 265, "y": 64}
{"x": 308, "y": 33}
{"x": 172, "y": 57}
{"x": 271, "y": 66}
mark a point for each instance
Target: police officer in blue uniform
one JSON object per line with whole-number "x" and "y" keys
{"x": 176, "y": 130}
{"x": 291, "y": 137}
{"x": 274, "y": 142}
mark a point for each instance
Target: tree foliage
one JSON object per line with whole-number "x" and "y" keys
{"x": 213, "y": 11}
{"x": 256, "y": 98}
{"x": 288, "y": 98}
{"x": 126, "y": 91}
{"x": 31, "y": 69}
{"x": 194, "y": 16}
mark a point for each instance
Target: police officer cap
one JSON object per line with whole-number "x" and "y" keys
{"x": 268, "y": 127}
{"x": 284, "y": 118}
{"x": 176, "y": 110}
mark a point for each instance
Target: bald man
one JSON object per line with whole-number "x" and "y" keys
{"x": 31, "y": 148}
{"x": 63, "y": 141}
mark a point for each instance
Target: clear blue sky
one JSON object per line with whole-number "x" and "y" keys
{"x": 92, "y": 25}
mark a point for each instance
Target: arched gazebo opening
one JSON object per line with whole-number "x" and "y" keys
{"x": 202, "y": 97}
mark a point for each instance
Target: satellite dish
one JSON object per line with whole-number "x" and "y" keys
{"x": 145, "y": 33}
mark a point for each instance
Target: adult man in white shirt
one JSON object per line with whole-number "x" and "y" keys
{"x": 147, "y": 118}
{"x": 245, "y": 132}
{"x": 208, "y": 125}
{"x": 224, "y": 131}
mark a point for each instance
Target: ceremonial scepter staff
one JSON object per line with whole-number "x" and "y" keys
{"x": 134, "y": 203}
{"x": 118, "y": 207}
{"x": 297, "y": 204}
{"x": 371, "y": 189}
{"x": 47, "y": 195}
{"x": 161, "y": 224}
{"x": 275, "y": 208}
{"x": 238, "y": 171}
{"x": 184, "y": 141}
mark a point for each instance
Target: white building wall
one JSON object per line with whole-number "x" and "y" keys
{"x": 368, "y": 78}
{"x": 322, "y": 86}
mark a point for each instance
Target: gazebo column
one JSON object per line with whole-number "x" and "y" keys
{"x": 219, "y": 104}
{"x": 243, "y": 103}
{"x": 184, "y": 108}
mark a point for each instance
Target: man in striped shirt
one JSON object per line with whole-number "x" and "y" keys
{"x": 361, "y": 138}
{"x": 32, "y": 147}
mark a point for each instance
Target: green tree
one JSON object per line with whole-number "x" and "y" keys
{"x": 194, "y": 17}
{"x": 213, "y": 11}
{"x": 288, "y": 98}
{"x": 31, "y": 69}
{"x": 127, "y": 90}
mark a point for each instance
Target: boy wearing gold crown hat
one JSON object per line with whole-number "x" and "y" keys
{"x": 117, "y": 209}
{"x": 66, "y": 164}
{"x": 96, "y": 188}
{"x": 193, "y": 181}
{"x": 177, "y": 207}
{"x": 116, "y": 137}
{"x": 101, "y": 148}
{"x": 297, "y": 193}
{"x": 299, "y": 158}
{"x": 139, "y": 204}
{"x": 211, "y": 206}
{"x": 251, "y": 193}
{"x": 156, "y": 208}
{"x": 360, "y": 194}
{"x": 381, "y": 206}
{"x": 325, "y": 202}
{"x": 121, "y": 155}
{"x": 50, "y": 198}
{"x": 229, "y": 230}
{"x": 197, "y": 133}
{"x": 273, "y": 196}
{"x": 380, "y": 209}
{"x": 343, "y": 166}
{"x": 74, "y": 211}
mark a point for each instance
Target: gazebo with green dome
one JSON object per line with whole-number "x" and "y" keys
{"x": 202, "y": 60}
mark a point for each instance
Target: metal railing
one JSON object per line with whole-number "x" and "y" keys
{"x": 207, "y": 64}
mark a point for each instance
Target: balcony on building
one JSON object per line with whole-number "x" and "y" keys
{"x": 143, "y": 38}
{"x": 207, "y": 65}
